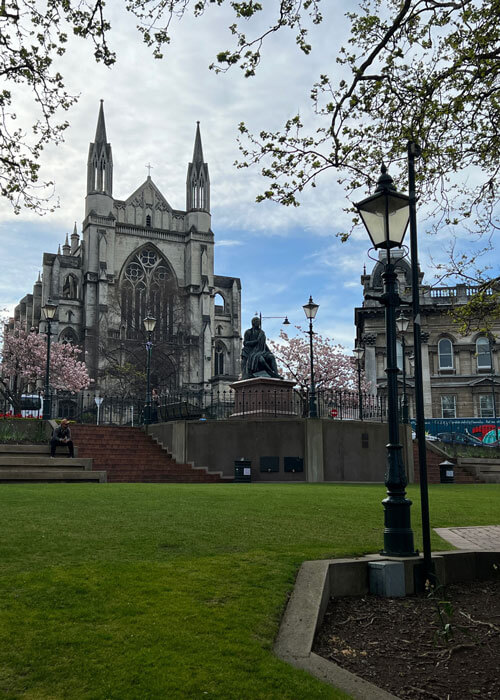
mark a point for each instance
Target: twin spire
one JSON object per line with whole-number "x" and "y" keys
{"x": 100, "y": 169}
{"x": 100, "y": 161}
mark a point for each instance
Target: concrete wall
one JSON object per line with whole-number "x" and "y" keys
{"x": 331, "y": 450}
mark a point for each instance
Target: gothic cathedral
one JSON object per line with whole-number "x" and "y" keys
{"x": 136, "y": 258}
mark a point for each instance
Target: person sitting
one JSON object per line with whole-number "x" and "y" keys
{"x": 62, "y": 436}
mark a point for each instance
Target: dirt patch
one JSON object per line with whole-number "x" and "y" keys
{"x": 404, "y": 646}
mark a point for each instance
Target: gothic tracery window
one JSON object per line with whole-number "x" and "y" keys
{"x": 148, "y": 287}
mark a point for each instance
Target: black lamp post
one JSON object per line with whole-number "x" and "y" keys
{"x": 402, "y": 323}
{"x": 385, "y": 215}
{"x": 149, "y": 325}
{"x": 493, "y": 390}
{"x": 359, "y": 352}
{"x": 49, "y": 311}
{"x": 310, "y": 310}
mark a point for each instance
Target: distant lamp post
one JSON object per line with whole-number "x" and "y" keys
{"x": 402, "y": 323}
{"x": 149, "y": 325}
{"x": 359, "y": 353}
{"x": 310, "y": 310}
{"x": 49, "y": 311}
{"x": 386, "y": 216}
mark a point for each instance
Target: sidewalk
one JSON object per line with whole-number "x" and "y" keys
{"x": 486, "y": 537}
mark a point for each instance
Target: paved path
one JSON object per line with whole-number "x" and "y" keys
{"x": 484, "y": 537}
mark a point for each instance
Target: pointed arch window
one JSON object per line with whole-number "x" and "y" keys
{"x": 445, "y": 353}
{"x": 70, "y": 287}
{"x": 148, "y": 287}
{"x": 219, "y": 359}
{"x": 483, "y": 353}
{"x": 148, "y": 221}
{"x": 220, "y": 304}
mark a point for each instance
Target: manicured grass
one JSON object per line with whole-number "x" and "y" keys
{"x": 176, "y": 591}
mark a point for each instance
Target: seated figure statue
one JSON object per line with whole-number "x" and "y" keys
{"x": 256, "y": 358}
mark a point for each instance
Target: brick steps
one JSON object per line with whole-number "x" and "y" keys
{"x": 434, "y": 459}
{"x": 129, "y": 455}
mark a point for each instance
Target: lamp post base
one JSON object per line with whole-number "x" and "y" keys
{"x": 47, "y": 409}
{"x": 398, "y": 535}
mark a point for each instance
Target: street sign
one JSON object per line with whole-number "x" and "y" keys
{"x": 334, "y": 413}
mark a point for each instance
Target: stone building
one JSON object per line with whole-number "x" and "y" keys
{"x": 136, "y": 257}
{"x": 460, "y": 373}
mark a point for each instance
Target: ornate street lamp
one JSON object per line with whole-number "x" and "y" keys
{"x": 386, "y": 215}
{"x": 359, "y": 353}
{"x": 149, "y": 325}
{"x": 310, "y": 310}
{"x": 402, "y": 323}
{"x": 49, "y": 311}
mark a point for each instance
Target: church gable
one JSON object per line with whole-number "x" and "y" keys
{"x": 146, "y": 207}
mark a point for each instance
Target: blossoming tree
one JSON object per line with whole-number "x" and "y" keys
{"x": 24, "y": 361}
{"x": 333, "y": 368}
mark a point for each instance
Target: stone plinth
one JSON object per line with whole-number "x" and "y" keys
{"x": 264, "y": 397}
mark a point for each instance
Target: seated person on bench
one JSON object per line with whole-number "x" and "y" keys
{"x": 61, "y": 436}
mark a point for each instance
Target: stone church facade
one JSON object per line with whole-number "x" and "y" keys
{"x": 460, "y": 373}
{"x": 140, "y": 257}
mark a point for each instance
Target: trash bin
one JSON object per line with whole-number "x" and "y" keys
{"x": 242, "y": 471}
{"x": 447, "y": 472}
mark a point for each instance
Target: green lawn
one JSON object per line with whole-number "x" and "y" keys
{"x": 176, "y": 591}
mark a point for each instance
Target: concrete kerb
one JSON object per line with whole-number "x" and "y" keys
{"x": 317, "y": 581}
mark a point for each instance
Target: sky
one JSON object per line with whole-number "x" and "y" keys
{"x": 282, "y": 255}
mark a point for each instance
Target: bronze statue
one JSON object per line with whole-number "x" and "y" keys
{"x": 256, "y": 358}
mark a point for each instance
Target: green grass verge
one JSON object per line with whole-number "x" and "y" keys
{"x": 176, "y": 591}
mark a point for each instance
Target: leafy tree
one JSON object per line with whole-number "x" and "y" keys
{"x": 333, "y": 368}
{"x": 24, "y": 361}
{"x": 413, "y": 69}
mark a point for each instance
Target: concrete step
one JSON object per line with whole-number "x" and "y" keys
{"x": 51, "y": 475}
{"x": 41, "y": 449}
{"x": 44, "y": 461}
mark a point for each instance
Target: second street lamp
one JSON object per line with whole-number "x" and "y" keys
{"x": 385, "y": 216}
{"x": 310, "y": 310}
{"x": 359, "y": 352}
{"x": 402, "y": 323}
{"x": 149, "y": 325}
{"x": 49, "y": 311}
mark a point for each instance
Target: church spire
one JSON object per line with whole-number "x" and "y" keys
{"x": 100, "y": 161}
{"x": 198, "y": 149}
{"x": 100, "y": 132}
{"x": 198, "y": 181}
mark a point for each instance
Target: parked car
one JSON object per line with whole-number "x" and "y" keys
{"x": 459, "y": 439}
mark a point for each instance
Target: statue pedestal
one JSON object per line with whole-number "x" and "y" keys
{"x": 264, "y": 397}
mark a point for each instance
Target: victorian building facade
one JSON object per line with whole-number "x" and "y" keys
{"x": 139, "y": 257}
{"x": 460, "y": 373}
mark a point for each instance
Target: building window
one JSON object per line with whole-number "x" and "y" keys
{"x": 219, "y": 361}
{"x": 148, "y": 220}
{"x": 486, "y": 406}
{"x": 445, "y": 352}
{"x": 68, "y": 337}
{"x": 219, "y": 304}
{"x": 70, "y": 289}
{"x": 399, "y": 355}
{"x": 448, "y": 406}
{"x": 483, "y": 353}
{"x": 148, "y": 287}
